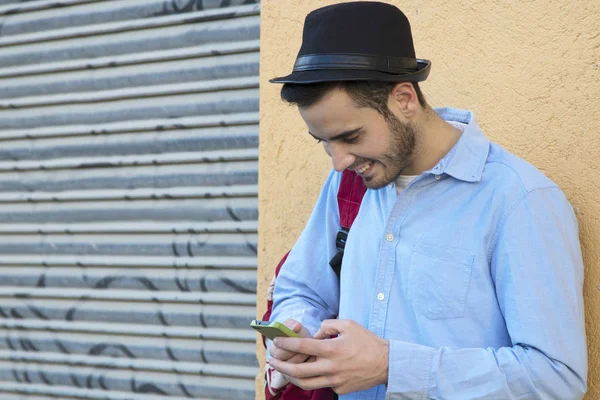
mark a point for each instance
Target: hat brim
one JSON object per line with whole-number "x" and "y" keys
{"x": 335, "y": 75}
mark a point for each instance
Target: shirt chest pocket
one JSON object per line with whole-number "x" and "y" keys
{"x": 439, "y": 280}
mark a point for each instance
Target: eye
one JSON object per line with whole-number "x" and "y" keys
{"x": 352, "y": 140}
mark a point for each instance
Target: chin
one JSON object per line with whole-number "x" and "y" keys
{"x": 374, "y": 183}
{"x": 380, "y": 179}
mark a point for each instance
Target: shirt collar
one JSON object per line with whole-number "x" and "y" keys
{"x": 466, "y": 160}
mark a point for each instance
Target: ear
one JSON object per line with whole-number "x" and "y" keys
{"x": 404, "y": 99}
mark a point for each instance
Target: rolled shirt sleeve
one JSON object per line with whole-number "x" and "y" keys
{"x": 298, "y": 294}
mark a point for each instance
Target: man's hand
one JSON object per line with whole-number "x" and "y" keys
{"x": 356, "y": 360}
{"x": 290, "y": 357}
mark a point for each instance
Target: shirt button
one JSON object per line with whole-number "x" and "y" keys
{"x": 380, "y": 296}
{"x": 389, "y": 237}
{"x": 438, "y": 177}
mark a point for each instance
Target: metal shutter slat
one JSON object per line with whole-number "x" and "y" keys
{"x": 128, "y": 199}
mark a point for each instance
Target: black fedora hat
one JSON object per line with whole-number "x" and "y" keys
{"x": 354, "y": 41}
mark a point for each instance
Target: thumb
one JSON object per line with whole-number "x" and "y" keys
{"x": 293, "y": 325}
{"x": 329, "y": 327}
{"x": 297, "y": 327}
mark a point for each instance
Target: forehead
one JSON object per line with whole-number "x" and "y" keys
{"x": 336, "y": 112}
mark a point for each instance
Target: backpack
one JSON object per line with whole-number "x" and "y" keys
{"x": 349, "y": 197}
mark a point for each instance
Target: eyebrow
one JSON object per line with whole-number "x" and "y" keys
{"x": 340, "y": 136}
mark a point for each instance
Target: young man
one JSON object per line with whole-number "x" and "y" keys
{"x": 462, "y": 275}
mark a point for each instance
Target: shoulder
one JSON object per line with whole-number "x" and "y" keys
{"x": 514, "y": 173}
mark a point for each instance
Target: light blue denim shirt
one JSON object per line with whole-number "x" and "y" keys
{"x": 473, "y": 273}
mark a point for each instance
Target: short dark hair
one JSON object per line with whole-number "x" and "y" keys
{"x": 373, "y": 94}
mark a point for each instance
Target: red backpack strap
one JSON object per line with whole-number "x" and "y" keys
{"x": 350, "y": 194}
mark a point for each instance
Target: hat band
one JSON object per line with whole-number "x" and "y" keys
{"x": 394, "y": 65}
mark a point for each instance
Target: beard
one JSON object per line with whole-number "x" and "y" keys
{"x": 402, "y": 145}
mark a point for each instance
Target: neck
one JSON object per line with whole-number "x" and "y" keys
{"x": 436, "y": 138}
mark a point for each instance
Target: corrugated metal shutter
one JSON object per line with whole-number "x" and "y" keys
{"x": 128, "y": 198}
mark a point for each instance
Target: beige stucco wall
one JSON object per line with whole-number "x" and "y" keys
{"x": 530, "y": 70}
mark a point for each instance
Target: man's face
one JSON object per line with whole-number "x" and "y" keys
{"x": 361, "y": 139}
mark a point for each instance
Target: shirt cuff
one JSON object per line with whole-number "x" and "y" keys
{"x": 410, "y": 367}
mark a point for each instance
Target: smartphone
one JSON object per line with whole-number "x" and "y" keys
{"x": 273, "y": 329}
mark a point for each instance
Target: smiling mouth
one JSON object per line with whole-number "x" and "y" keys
{"x": 363, "y": 168}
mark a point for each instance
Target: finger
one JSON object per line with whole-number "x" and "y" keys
{"x": 293, "y": 325}
{"x": 297, "y": 358}
{"x": 285, "y": 355}
{"x": 317, "y": 382}
{"x": 330, "y": 327}
{"x": 310, "y": 347}
{"x": 281, "y": 354}
{"x": 297, "y": 327}
{"x": 302, "y": 371}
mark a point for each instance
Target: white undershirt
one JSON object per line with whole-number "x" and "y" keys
{"x": 403, "y": 180}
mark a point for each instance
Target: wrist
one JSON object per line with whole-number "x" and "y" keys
{"x": 385, "y": 363}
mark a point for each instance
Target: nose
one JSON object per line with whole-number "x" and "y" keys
{"x": 340, "y": 157}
